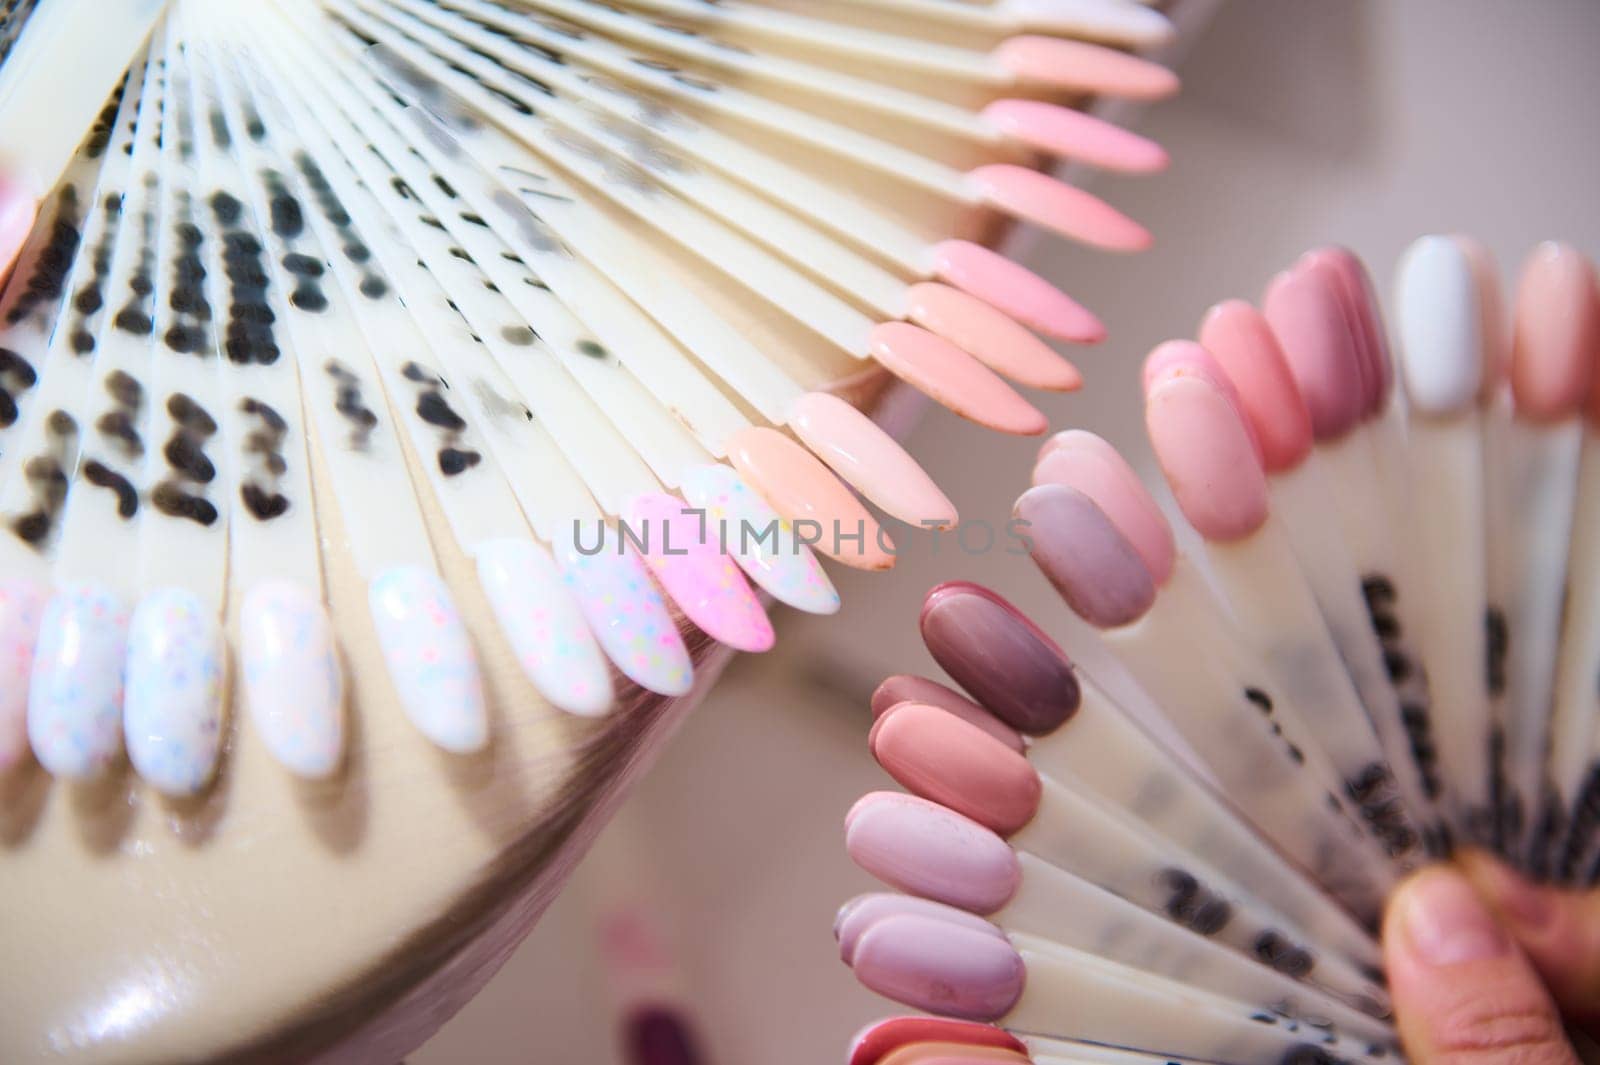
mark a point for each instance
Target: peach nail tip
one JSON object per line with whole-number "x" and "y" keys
{"x": 1069, "y": 134}
{"x": 430, "y": 657}
{"x": 1556, "y": 333}
{"x": 1209, "y": 455}
{"x": 990, "y": 336}
{"x": 294, "y": 685}
{"x": 76, "y": 688}
{"x": 953, "y": 378}
{"x": 865, "y": 456}
{"x": 1015, "y": 290}
{"x": 1065, "y": 209}
{"x": 1241, "y": 341}
{"x": 172, "y": 707}
{"x": 22, "y": 606}
{"x": 1086, "y": 66}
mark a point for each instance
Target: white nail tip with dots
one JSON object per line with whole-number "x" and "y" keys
{"x": 75, "y": 692}
{"x": 430, "y": 657}
{"x": 293, "y": 682}
{"x": 22, "y": 606}
{"x": 172, "y": 713}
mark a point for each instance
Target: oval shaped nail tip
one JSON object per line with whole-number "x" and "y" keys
{"x": 1015, "y": 290}
{"x": 1306, "y": 316}
{"x": 1437, "y": 320}
{"x": 941, "y": 967}
{"x": 1074, "y": 135}
{"x": 1360, "y": 302}
{"x": 706, "y": 585}
{"x": 292, "y": 677}
{"x": 860, "y": 452}
{"x": 1239, "y": 338}
{"x": 779, "y": 563}
{"x": 430, "y": 657}
{"x": 990, "y": 336}
{"x": 1556, "y": 335}
{"x": 953, "y": 378}
{"x": 1079, "y": 65}
{"x": 22, "y": 606}
{"x": 1057, "y": 206}
{"x": 864, "y": 911}
{"x": 880, "y": 1038}
{"x": 172, "y": 707}
{"x": 1210, "y": 460}
{"x": 75, "y": 693}
{"x": 1085, "y": 557}
{"x": 905, "y": 688}
{"x": 925, "y": 849}
{"x": 544, "y": 626}
{"x": 1081, "y": 460}
{"x": 942, "y": 758}
{"x": 627, "y": 615}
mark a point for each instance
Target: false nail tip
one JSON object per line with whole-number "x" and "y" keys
{"x": 75, "y": 693}
{"x": 172, "y": 707}
{"x": 430, "y": 657}
{"x": 293, "y": 682}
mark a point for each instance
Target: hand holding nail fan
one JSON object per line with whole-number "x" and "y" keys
{"x": 358, "y": 364}
{"x": 1381, "y": 647}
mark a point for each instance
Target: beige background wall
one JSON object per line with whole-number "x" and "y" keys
{"x": 1366, "y": 122}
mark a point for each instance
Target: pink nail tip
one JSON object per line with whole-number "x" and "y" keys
{"x": 1178, "y": 359}
{"x": 953, "y": 378}
{"x": 1304, "y": 309}
{"x": 864, "y": 911}
{"x": 22, "y": 604}
{"x": 878, "y": 1040}
{"x": 990, "y": 336}
{"x": 940, "y": 966}
{"x": 1066, "y": 209}
{"x": 682, "y": 552}
{"x": 1557, "y": 333}
{"x": 18, "y": 210}
{"x": 1086, "y": 67}
{"x": 922, "y": 848}
{"x": 1242, "y": 342}
{"x": 1211, "y": 461}
{"x": 1015, "y": 290}
{"x": 860, "y": 452}
{"x": 1070, "y": 134}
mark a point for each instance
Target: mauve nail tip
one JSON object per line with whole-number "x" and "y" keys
{"x": 1085, "y": 594}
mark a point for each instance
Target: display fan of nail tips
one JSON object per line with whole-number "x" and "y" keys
{"x": 392, "y": 389}
{"x": 1373, "y": 646}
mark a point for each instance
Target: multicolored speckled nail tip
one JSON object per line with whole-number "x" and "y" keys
{"x": 75, "y": 694}
{"x": 781, "y": 565}
{"x": 628, "y": 616}
{"x": 172, "y": 711}
{"x": 22, "y": 605}
{"x": 293, "y": 683}
{"x": 682, "y": 552}
{"x": 544, "y": 625}
{"x": 430, "y": 657}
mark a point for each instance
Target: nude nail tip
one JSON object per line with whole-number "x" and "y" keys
{"x": 627, "y": 615}
{"x": 934, "y": 754}
{"x": 1058, "y": 206}
{"x": 990, "y": 336}
{"x": 785, "y": 568}
{"x": 860, "y": 452}
{"x": 75, "y": 695}
{"x": 954, "y": 379}
{"x": 1015, "y": 290}
{"x": 1085, "y": 66}
{"x": 172, "y": 706}
{"x": 430, "y": 657}
{"x": 905, "y": 688}
{"x": 293, "y": 680}
{"x": 925, "y": 849}
{"x": 707, "y": 586}
{"x": 22, "y": 606}
{"x": 544, "y": 626}
{"x": 941, "y": 967}
{"x": 1556, "y": 333}
{"x": 1069, "y": 134}
{"x": 881, "y": 1038}
{"x": 1242, "y": 342}
{"x": 1211, "y": 462}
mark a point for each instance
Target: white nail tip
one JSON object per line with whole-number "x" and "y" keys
{"x": 293, "y": 682}
{"x": 430, "y": 657}
{"x": 1438, "y": 326}
{"x": 544, "y": 625}
{"x": 785, "y": 568}
{"x": 22, "y": 605}
{"x": 627, "y": 615}
{"x": 75, "y": 693}
{"x": 172, "y": 712}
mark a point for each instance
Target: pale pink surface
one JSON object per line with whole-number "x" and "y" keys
{"x": 940, "y": 966}
{"x": 1066, "y": 209}
{"x": 1180, "y": 358}
{"x": 920, "y": 847}
{"x": 864, "y": 911}
{"x": 953, "y": 378}
{"x": 1016, "y": 290}
{"x": 22, "y": 604}
{"x": 1348, "y": 277}
{"x": 868, "y": 458}
{"x": 18, "y": 207}
{"x": 1494, "y": 329}
{"x": 1203, "y": 446}
{"x": 801, "y": 488}
{"x": 1061, "y": 131}
{"x": 990, "y": 336}
{"x": 1305, "y": 313}
{"x": 1084, "y": 461}
{"x": 1080, "y": 65}
{"x": 1242, "y": 343}
{"x": 1557, "y": 336}
{"x": 907, "y": 688}
{"x": 683, "y": 555}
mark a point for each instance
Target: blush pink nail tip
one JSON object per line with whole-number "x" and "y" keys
{"x": 1015, "y": 290}
{"x": 990, "y": 336}
{"x": 1557, "y": 333}
{"x": 940, "y": 967}
{"x": 1243, "y": 344}
{"x": 1184, "y": 358}
{"x": 953, "y": 378}
{"x": 1066, "y": 209}
{"x": 858, "y": 450}
{"x": 1211, "y": 462}
{"x": 18, "y": 210}
{"x": 1086, "y": 67}
{"x": 1305, "y": 313}
{"x": 704, "y": 582}
{"x": 1069, "y": 134}
{"x": 864, "y": 911}
{"x": 924, "y": 849}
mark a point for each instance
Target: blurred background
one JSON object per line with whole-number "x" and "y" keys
{"x": 1362, "y": 122}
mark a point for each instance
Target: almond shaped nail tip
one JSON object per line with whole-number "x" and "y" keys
{"x": 881, "y": 1038}
{"x": 683, "y": 555}
{"x": 802, "y": 489}
{"x": 1115, "y": 23}
{"x": 864, "y": 911}
{"x": 941, "y": 967}
{"x": 1083, "y": 138}
{"x": 22, "y": 606}
{"x": 858, "y": 450}
{"x": 544, "y": 626}
{"x": 785, "y": 568}
{"x": 990, "y": 336}
{"x": 1055, "y": 205}
{"x": 1067, "y": 64}
{"x": 18, "y": 210}
{"x": 293, "y": 680}
{"x": 953, "y": 379}
{"x": 75, "y": 692}
{"x": 1015, "y": 290}
{"x": 430, "y": 657}
{"x": 925, "y": 849}
{"x": 999, "y": 656}
{"x": 172, "y": 708}
{"x": 626, "y": 613}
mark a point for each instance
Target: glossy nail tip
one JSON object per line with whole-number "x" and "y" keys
{"x": 941, "y": 967}
{"x": 1065, "y": 209}
{"x": 905, "y": 688}
{"x": 875, "y": 1042}
{"x": 925, "y": 849}
{"x": 944, "y": 759}
{"x": 681, "y": 551}
{"x": 1209, "y": 457}
{"x": 1074, "y": 135}
{"x": 1242, "y": 342}
{"x": 860, "y": 452}
{"x": 75, "y": 698}
{"x": 626, "y": 613}
{"x": 542, "y": 623}
{"x": 18, "y": 210}
{"x": 1557, "y": 333}
{"x": 1438, "y": 322}
{"x": 1080, "y": 459}
{"x": 1015, "y": 290}
{"x": 761, "y": 541}
{"x": 864, "y": 911}
{"x": 991, "y": 337}
{"x": 22, "y": 606}
{"x": 293, "y": 680}
{"x": 1305, "y": 312}
{"x": 1085, "y": 557}
{"x": 430, "y": 657}
{"x": 954, "y": 379}
{"x": 1067, "y": 64}
{"x": 172, "y": 708}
